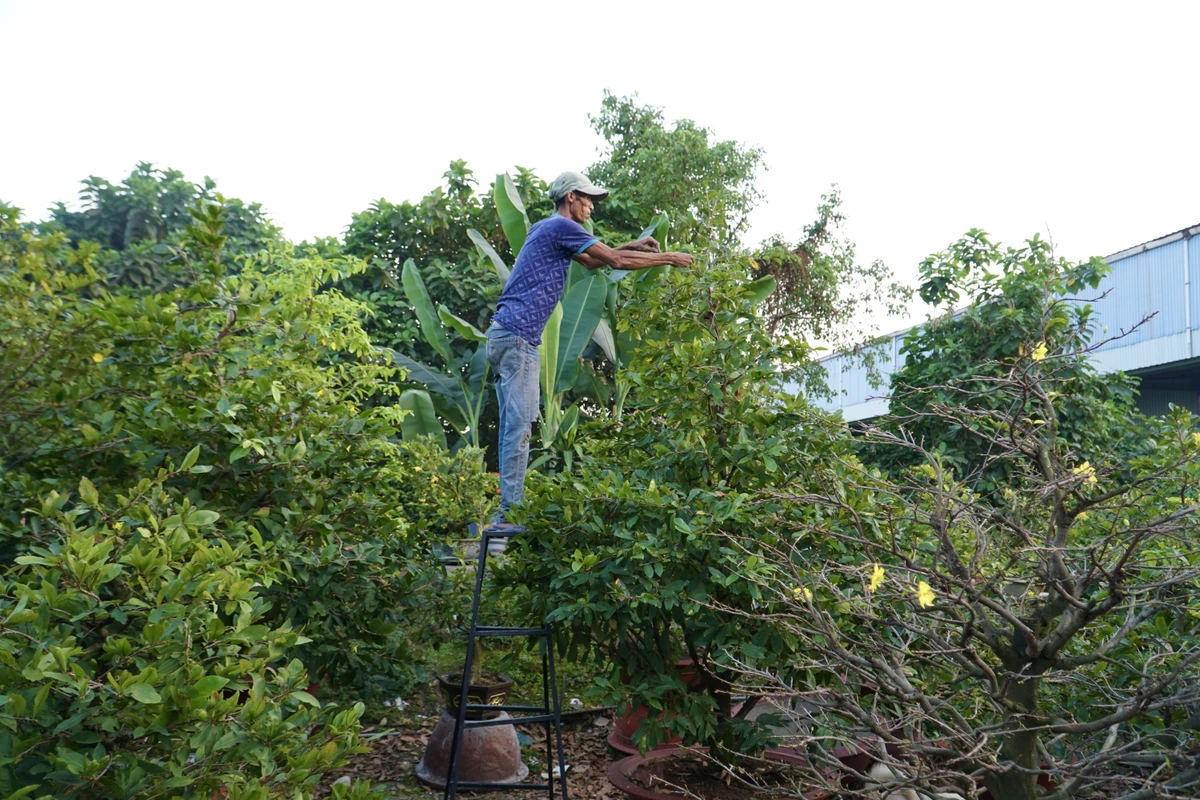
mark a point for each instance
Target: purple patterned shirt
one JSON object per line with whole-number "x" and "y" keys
{"x": 536, "y": 283}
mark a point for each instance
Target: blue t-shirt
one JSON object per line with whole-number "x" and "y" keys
{"x": 536, "y": 283}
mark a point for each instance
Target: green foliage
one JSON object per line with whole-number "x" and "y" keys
{"x": 441, "y": 493}
{"x": 823, "y": 291}
{"x": 257, "y": 382}
{"x": 628, "y": 558}
{"x": 1018, "y": 304}
{"x": 461, "y": 396}
{"x": 706, "y": 187}
{"x": 140, "y": 222}
{"x": 433, "y": 233}
{"x": 138, "y": 659}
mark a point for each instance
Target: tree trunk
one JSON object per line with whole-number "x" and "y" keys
{"x": 1019, "y": 747}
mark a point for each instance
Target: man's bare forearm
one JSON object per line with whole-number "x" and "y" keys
{"x": 630, "y": 259}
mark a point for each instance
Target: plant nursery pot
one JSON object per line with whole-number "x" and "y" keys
{"x": 491, "y": 692}
{"x": 619, "y": 774}
{"x": 627, "y": 724}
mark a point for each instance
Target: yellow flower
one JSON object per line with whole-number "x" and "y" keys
{"x": 1081, "y": 516}
{"x": 1196, "y": 439}
{"x": 1039, "y": 352}
{"x": 1087, "y": 472}
{"x": 876, "y": 578}
{"x": 925, "y": 595}
{"x": 97, "y": 357}
{"x": 802, "y": 593}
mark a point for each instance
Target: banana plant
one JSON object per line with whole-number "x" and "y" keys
{"x": 458, "y": 399}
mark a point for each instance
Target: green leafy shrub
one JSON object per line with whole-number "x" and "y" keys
{"x": 259, "y": 380}
{"x": 1020, "y": 601}
{"x": 440, "y": 493}
{"x": 633, "y": 558}
{"x": 137, "y": 659}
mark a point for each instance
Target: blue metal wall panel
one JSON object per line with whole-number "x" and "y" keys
{"x": 1193, "y": 257}
{"x": 1139, "y": 285}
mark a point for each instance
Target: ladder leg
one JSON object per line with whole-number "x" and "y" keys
{"x": 451, "y": 792}
{"x": 546, "y": 704}
{"x": 557, "y": 710}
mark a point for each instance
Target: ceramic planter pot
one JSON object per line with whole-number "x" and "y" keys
{"x": 493, "y": 692}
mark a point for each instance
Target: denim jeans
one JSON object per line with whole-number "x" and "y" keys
{"x": 514, "y": 364}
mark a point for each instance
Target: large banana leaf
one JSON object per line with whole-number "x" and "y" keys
{"x": 421, "y": 419}
{"x": 513, "y": 218}
{"x": 582, "y": 307}
{"x": 477, "y": 373}
{"x": 464, "y": 328}
{"x": 431, "y": 326}
{"x": 548, "y": 354}
{"x": 487, "y": 251}
{"x": 603, "y": 336}
{"x": 436, "y": 381}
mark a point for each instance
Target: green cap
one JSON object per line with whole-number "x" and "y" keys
{"x": 575, "y": 182}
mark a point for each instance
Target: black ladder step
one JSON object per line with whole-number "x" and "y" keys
{"x": 500, "y": 630}
{"x": 488, "y": 723}
{"x": 486, "y": 707}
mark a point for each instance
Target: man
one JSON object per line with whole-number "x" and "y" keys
{"x": 533, "y": 289}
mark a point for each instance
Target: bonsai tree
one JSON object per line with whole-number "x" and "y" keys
{"x": 630, "y": 559}
{"x": 1019, "y": 612}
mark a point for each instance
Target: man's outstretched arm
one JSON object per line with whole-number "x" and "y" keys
{"x": 600, "y": 254}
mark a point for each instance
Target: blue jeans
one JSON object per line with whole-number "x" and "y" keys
{"x": 514, "y": 364}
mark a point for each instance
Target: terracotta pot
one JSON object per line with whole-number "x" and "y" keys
{"x": 618, "y": 773}
{"x": 492, "y": 693}
{"x": 627, "y": 724}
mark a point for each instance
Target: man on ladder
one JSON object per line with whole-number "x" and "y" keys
{"x": 533, "y": 289}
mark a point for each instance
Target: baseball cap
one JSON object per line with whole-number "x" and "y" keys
{"x": 575, "y": 182}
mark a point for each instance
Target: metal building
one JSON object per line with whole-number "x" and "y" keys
{"x": 1160, "y": 276}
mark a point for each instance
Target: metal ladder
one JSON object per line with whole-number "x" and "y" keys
{"x": 549, "y": 713}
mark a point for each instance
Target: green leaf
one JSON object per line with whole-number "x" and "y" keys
{"x": 433, "y": 380}
{"x": 190, "y": 459}
{"x": 305, "y": 697}
{"x": 513, "y": 218}
{"x": 87, "y": 491}
{"x": 760, "y": 289}
{"x": 421, "y": 419}
{"x": 603, "y": 336}
{"x": 485, "y": 248}
{"x": 418, "y": 295}
{"x": 202, "y": 517}
{"x": 144, "y": 693}
{"x": 207, "y": 685}
{"x": 548, "y": 354}
{"x": 582, "y": 306}
{"x": 464, "y": 328}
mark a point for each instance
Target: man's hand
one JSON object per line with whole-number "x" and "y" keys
{"x": 646, "y": 245}
{"x": 682, "y": 259}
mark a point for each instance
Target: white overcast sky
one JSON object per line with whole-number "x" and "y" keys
{"x": 1080, "y": 120}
